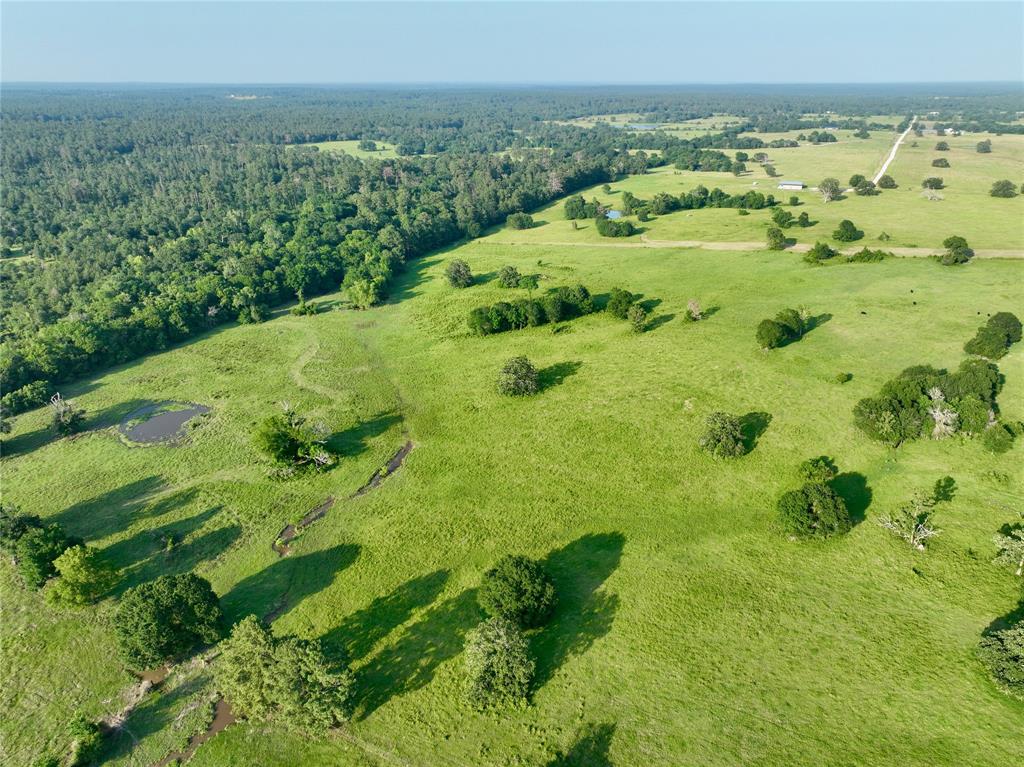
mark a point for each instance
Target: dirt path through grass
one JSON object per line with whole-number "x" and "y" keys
{"x": 892, "y": 153}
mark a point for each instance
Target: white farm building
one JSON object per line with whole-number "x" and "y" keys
{"x": 797, "y": 185}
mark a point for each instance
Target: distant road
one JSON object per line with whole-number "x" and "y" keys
{"x": 892, "y": 153}
{"x": 801, "y": 247}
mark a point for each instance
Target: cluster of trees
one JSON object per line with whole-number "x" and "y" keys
{"x": 623, "y": 305}
{"x": 518, "y": 595}
{"x": 558, "y": 304}
{"x": 815, "y": 510}
{"x": 963, "y": 401}
{"x": 788, "y": 326}
{"x": 1001, "y": 649}
{"x": 286, "y": 679}
{"x": 818, "y": 137}
{"x": 996, "y": 336}
{"x": 509, "y": 277}
{"x": 847, "y": 232}
{"x": 34, "y": 546}
{"x": 933, "y": 182}
{"x": 822, "y": 252}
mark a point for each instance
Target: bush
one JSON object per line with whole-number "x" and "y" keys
{"x": 67, "y": 417}
{"x": 499, "y": 669}
{"x": 458, "y": 274}
{"x": 518, "y": 377}
{"x": 86, "y": 741}
{"x": 561, "y": 303}
{"x": 1002, "y": 653}
{"x": 803, "y": 220}
{"x": 619, "y": 302}
{"x": 932, "y": 182}
{"x": 886, "y": 182}
{"x": 770, "y": 334}
{"x": 84, "y": 576}
{"x": 519, "y": 590}
{"x": 608, "y": 227}
{"x": 36, "y": 551}
{"x": 776, "y": 240}
{"x": 520, "y": 221}
{"x": 29, "y": 396}
{"x": 997, "y": 438}
{"x": 820, "y": 252}
{"x": 637, "y": 317}
{"x": 847, "y": 232}
{"x": 984, "y": 147}
{"x": 856, "y": 179}
{"x": 813, "y": 511}
{"x": 723, "y": 436}
{"x": 1004, "y": 188}
{"x": 578, "y": 208}
{"x": 782, "y": 217}
{"x": 286, "y": 680}
{"x": 866, "y": 188}
{"x": 820, "y": 469}
{"x": 940, "y": 162}
{"x": 166, "y": 618}
{"x": 508, "y": 277}
{"x": 866, "y": 255}
{"x": 942, "y": 146}
{"x": 13, "y": 525}
{"x": 794, "y": 200}
{"x": 957, "y": 251}
{"x": 841, "y": 378}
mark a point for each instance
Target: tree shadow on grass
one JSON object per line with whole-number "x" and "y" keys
{"x": 413, "y": 275}
{"x": 156, "y": 540}
{"x": 650, "y": 304}
{"x": 590, "y": 749}
{"x": 360, "y": 632}
{"x": 853, "y": 488}
{"x": 584, "y": 614}
{"x": 282, "y": 586}
{"x": 816, "y": 322}
{"x": 410, "y": 663}
{"x": 752, "y": 426}
{"x": 113, "y": 511}
{"x": 711, "y": 311}
{"x": 553, "y": 375}
{"x": 183, "y": 557}
{"x": 352, "y": 442}
{"x": 1012, "y": 618}
{"x": 945, "y": 490}
{"x": 658, "y": 320}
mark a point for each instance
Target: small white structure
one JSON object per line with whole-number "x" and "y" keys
{"x": 794, "y": 185}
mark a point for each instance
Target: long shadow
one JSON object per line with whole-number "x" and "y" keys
{"x": 183, "y": 558}
{"x": 114, "y": 414}
{"x": 411, "y": 662}
{"x": 584, "y": 614}
{"x": 1012, "y": 618}
{"x": 658, "y": 320}
{"x": 154, "y": 540}
{"x": 413, "y": 275}
{"x": 816, "y": 322}
{"x": 115, "y": 510}
{"x": 155, "y": 713}
{"x": 752, "y": 426}
{"x": 33, "y": 440}
{"x": 279, "y": 588}
{"x": 711, "y": 311}
{"x": 359, "y": 632}
{"x": 853, "y": 488}
{"x": 590, "y": 749}
{"x": 650, "y": 304}
{"x": 553, "y": 375}
{"x": 354, "y": 441}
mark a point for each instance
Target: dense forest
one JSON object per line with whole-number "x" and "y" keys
{"x": 135, "y": 218}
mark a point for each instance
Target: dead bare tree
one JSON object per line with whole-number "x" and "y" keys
{"x": 1011, "y": 549}
{"x": 693, "y": 310}
{"x": 946, "y": 420}
{"x": 67, "y": 418}
{"x": 912, "y": 521}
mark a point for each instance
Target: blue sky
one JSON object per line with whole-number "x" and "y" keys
{"x": 493, "y": 42}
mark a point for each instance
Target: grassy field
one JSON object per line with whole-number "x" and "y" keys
{"x": 385, "y": 151}
{"x": 689, "y": 631}
{"x": 903, "y": 213}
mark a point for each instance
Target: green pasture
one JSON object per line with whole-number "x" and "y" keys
{"x": 689, "y": 630}
{"x": 385, "y": 151}
{"x": 904, "y": 214}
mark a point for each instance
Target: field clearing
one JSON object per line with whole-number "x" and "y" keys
{"x": 689, "y": 630}
{"x": 385, "y": 151}
{"x": 911, "y": 220}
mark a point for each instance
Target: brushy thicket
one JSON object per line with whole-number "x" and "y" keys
{"x": 559, "y": 304}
